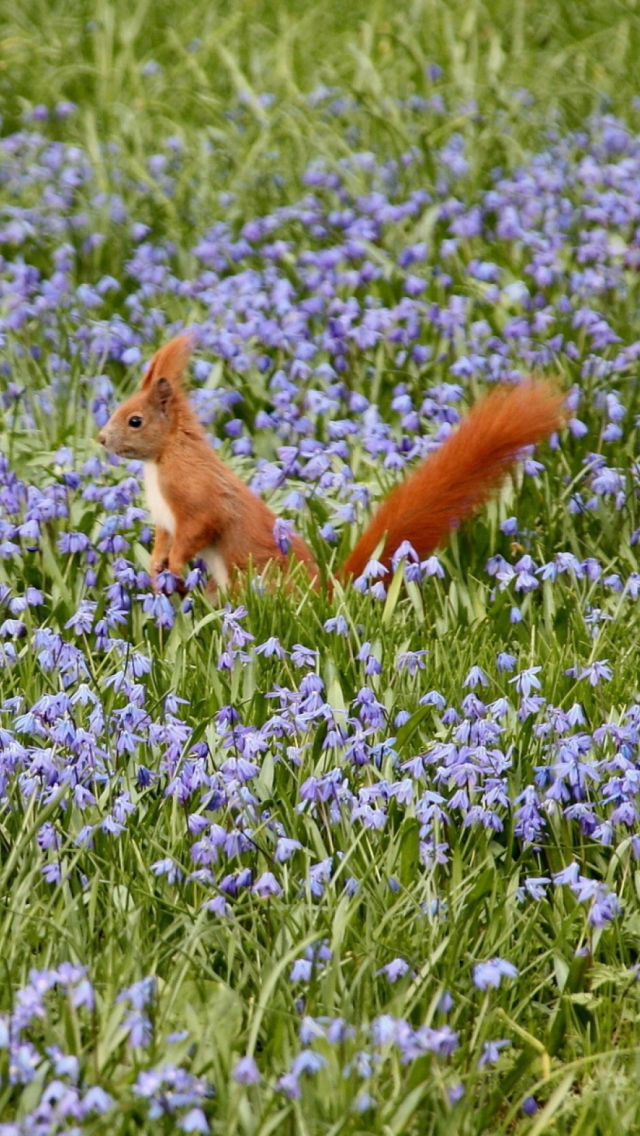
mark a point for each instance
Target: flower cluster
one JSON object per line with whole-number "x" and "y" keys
{"x": 290, "y": 770}
{"x": 68, "y": 1089}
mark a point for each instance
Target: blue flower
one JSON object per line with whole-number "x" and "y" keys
{"x": 246, "y": 1072}
{"x": 527, "y": 681}
{"x": 491, "y": 1052}
{"x": 490, "y": 974}
{"x": 597, "y": 671}
{"x": 266, "y": 885}
{"x": 394, "y": 970}
{"x": 476, "y": 677}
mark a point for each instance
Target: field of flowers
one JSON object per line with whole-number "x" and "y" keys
{"x": 295, "y": 864}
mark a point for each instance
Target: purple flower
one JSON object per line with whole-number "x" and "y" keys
{"x": 138, "y": 1028}
{"x": 271, "y": 648}
{"x": 139, "y": 995}
{"x": 267, "y": 885}
{"x": 290, "y": 1086}
{"x": 246, "y": 1072}
{"x": 285, "y": 849}
{"x": 303, "y": 656}
{"x": 72, "y": 542}
{"x": 490, "y": 974}
{"x": 52, "y": 873}
{"x": 83, "y": 994}
{"x": 194, "y": 1121}
{"x": 568, "y": 875}
{"x": 307, "y": 1062}
{"x": 536, "y": 886}
{"x": 97, "y": 1100}
{"x": 13, "y": 627}
{"x": 301, "y": 970}
{"x": 168, "y": 868}
{"x": 491, "y": 1052}
{"x": 445, "y": 1002}
{"x": 283, "y": 531}
{"x": 338, "y": 624}
{"x": 455, "y": 1093}
{"x": 432, "y": 567}
{"x": 597, "y": 671}
{"x": 476, "y": 677}
{"x": 394, "y": 970}
{"x": 605, "y": 906}
{"x": 82, "y": 621}
{"x": 526, "y": 681}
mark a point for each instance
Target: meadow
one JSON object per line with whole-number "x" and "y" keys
{"x": 292, "y": 863}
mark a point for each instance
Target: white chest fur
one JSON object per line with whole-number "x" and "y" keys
{"x": 162, "y": 515}
{"x": 161, "y": 512}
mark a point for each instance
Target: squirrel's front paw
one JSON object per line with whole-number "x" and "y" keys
{"x": 158, "y": 566}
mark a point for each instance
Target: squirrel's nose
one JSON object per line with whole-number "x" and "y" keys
{"x": 102, "y": 438}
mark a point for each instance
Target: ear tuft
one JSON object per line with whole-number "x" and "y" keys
{"x": 162, "y": 394}
{"x": 170, "y": 361}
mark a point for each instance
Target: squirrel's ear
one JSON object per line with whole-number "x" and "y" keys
{"x": 162, "y": 394}
{"x": 171, "y": 360}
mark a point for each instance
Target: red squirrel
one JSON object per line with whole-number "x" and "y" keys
{"x": 201, "y": 508}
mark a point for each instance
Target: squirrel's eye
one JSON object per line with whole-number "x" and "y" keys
{"x": 135, "y": 421}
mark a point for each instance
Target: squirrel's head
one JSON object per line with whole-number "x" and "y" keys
{"x": 140, "y": 427}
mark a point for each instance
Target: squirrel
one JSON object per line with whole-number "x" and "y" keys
{"x": 201, "y": 508}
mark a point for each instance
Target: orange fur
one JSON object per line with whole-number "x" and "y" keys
{"x": 201, "y": 507}
{"x": 212, "y": 509}
{"x": 170, "y": 361}
{"x": 461, "y": 474}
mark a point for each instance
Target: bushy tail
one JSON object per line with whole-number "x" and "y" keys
{"x": 459, "y": 476}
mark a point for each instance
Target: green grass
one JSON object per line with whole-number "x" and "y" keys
{"x": 571, "y": 1017}
{"x": 572, "y": 56}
